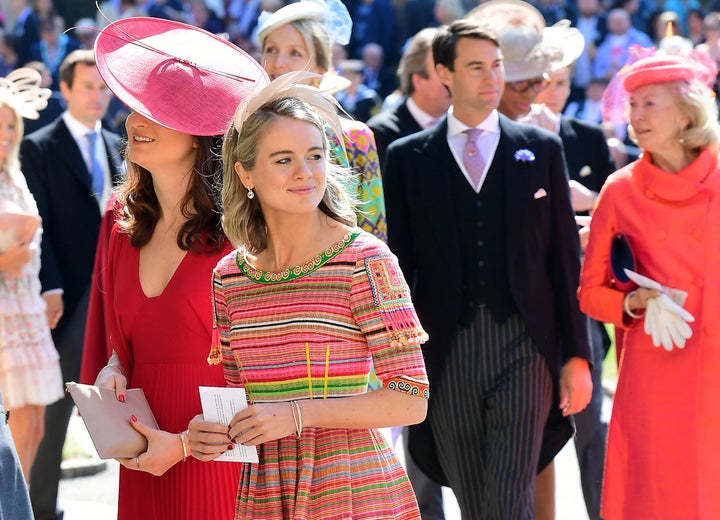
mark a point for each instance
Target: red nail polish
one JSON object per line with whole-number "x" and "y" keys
{"x": 133, "y": 418}
{"x": 230, "y": 446}
{"x": 121, "y": 398}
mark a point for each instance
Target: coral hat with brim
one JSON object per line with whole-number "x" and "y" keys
{"x": 177, "y": 75}
{"x": 658, "y": 69}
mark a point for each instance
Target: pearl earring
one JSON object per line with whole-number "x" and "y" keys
{"x": 250, "y": 194}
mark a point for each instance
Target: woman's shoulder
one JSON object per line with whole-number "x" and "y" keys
{"x": 357, "y": 134}
{"x": 621, "y": 176}
{"x": 227, "y": 262}
{"x": 366, "y": 245}
{"x": 353, "y": 125}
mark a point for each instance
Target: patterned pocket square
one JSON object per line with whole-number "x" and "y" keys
{"x": 539, "y": 194}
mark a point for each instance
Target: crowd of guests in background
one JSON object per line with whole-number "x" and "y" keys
{"x": 40, "y": 33}
{"x": 399, "y": 63}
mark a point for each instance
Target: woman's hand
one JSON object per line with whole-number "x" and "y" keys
{"x": 207, "y": 440}
{"x": 265, "y": 422}
{"x": 112, "y": 376}
{"x": 638, "y": 298}
{"x": 14, "y": 258}
{"x": 163, "y": 452}
{"x": 54, "y": 307}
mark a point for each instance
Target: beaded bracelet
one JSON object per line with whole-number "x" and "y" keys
{"x": 183, "y": 436}
{"x": 626, "y": 306}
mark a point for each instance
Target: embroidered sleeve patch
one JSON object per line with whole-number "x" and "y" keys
{"x": 389, "y": 290}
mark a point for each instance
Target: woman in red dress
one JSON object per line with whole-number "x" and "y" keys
{"x": 153, "y": 280}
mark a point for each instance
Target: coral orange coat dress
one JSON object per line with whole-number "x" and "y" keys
{"x": 663, "y": 455}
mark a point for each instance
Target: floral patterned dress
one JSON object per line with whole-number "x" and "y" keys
{"x": 362, "y": 157}
{"x": 314, "y": 332}
{"x": 29, "y": 367}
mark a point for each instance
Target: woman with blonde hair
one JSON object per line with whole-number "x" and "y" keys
{"x": 305, "y": 307}
{"x": 30, "y": 375}
{"x": 300, "y": 36}
{"x": 663, "y": 457}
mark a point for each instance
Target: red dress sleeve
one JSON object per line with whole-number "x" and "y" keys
{"x": 96, "y": 348}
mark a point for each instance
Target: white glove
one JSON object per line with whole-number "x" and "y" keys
{"x": 675, "y": 320}
{"x": 665, "y": 319}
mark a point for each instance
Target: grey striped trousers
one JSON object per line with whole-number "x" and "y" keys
{"x": 487, "y": 412}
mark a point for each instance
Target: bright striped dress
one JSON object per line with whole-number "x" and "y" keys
{"x": 314, "y": 331}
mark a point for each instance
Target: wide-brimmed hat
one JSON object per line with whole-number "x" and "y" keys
{"x": 332, "y": 13}
{"x": 175, "y": 74}
{"x": 530, "y": 49}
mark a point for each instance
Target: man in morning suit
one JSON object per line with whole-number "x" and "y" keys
{"x": 70, "y": 166}
{"x": 589, "y": 163}
{"x": 491, "y": 253}
{"x": 425, "y": 100}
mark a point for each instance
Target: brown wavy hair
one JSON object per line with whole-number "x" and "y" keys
{"x": 202, "y": 231}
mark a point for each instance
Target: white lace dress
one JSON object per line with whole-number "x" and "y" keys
{"x": 29, "y": 368}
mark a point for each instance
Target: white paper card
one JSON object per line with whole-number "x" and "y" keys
{"x": 220, "y": 404}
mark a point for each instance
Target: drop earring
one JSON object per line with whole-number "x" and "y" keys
{"x": 250, "y": 194}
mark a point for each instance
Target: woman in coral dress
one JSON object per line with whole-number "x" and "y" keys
{"x": 663, "y": 452}
{"x": 304, "y": 310}
{"x": 154, "y": 284}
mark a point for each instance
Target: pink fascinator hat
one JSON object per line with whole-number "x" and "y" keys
{"x": 646, "y": 66}
{"x": 176, "y": 75}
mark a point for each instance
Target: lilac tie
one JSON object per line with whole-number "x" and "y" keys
{"x": 472, "y": 158}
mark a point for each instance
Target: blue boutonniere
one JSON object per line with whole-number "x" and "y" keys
{"x": 524, "y": 155}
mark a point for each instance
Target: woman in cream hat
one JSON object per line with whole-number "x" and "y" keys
{"x": 30, "y": 375}
{"x": 305, "y": 308}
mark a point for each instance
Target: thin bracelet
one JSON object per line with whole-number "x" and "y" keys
{"x": 294, "y": 415}
{"x": 299, "y": 411}
{"x": 182, "y": 436}
{"x": 297, "y": 417}
{"x": 626, "y": 306}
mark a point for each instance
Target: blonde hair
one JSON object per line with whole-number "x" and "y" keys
{"x": 12, "y": 160}
{"x": 697, "y": 102}
{"x": 699, "y": 105}
{"x": 243, "y": 220}
{"x": 317, "y": 40}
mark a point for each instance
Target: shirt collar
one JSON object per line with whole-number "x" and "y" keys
{"x": 490, "y": 124}
{"x": 77, "y": 129}
{"x": 424, "y": 119}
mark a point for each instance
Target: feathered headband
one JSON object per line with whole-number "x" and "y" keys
{"x": 21, "y": 88}
{"x": 296, "y": 84}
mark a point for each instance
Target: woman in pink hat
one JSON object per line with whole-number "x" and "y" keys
{"x": 151, "y": 307}
{"x": 663, "y": 452}
{"x": 305, "y": 308}
{"x": 300, "y": 36}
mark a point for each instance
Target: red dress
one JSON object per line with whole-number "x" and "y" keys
{"x": 163, "y": 343}
{"x": 663, "y": 452}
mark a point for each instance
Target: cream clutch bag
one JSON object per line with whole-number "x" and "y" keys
{"x": 108, "y": 420}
